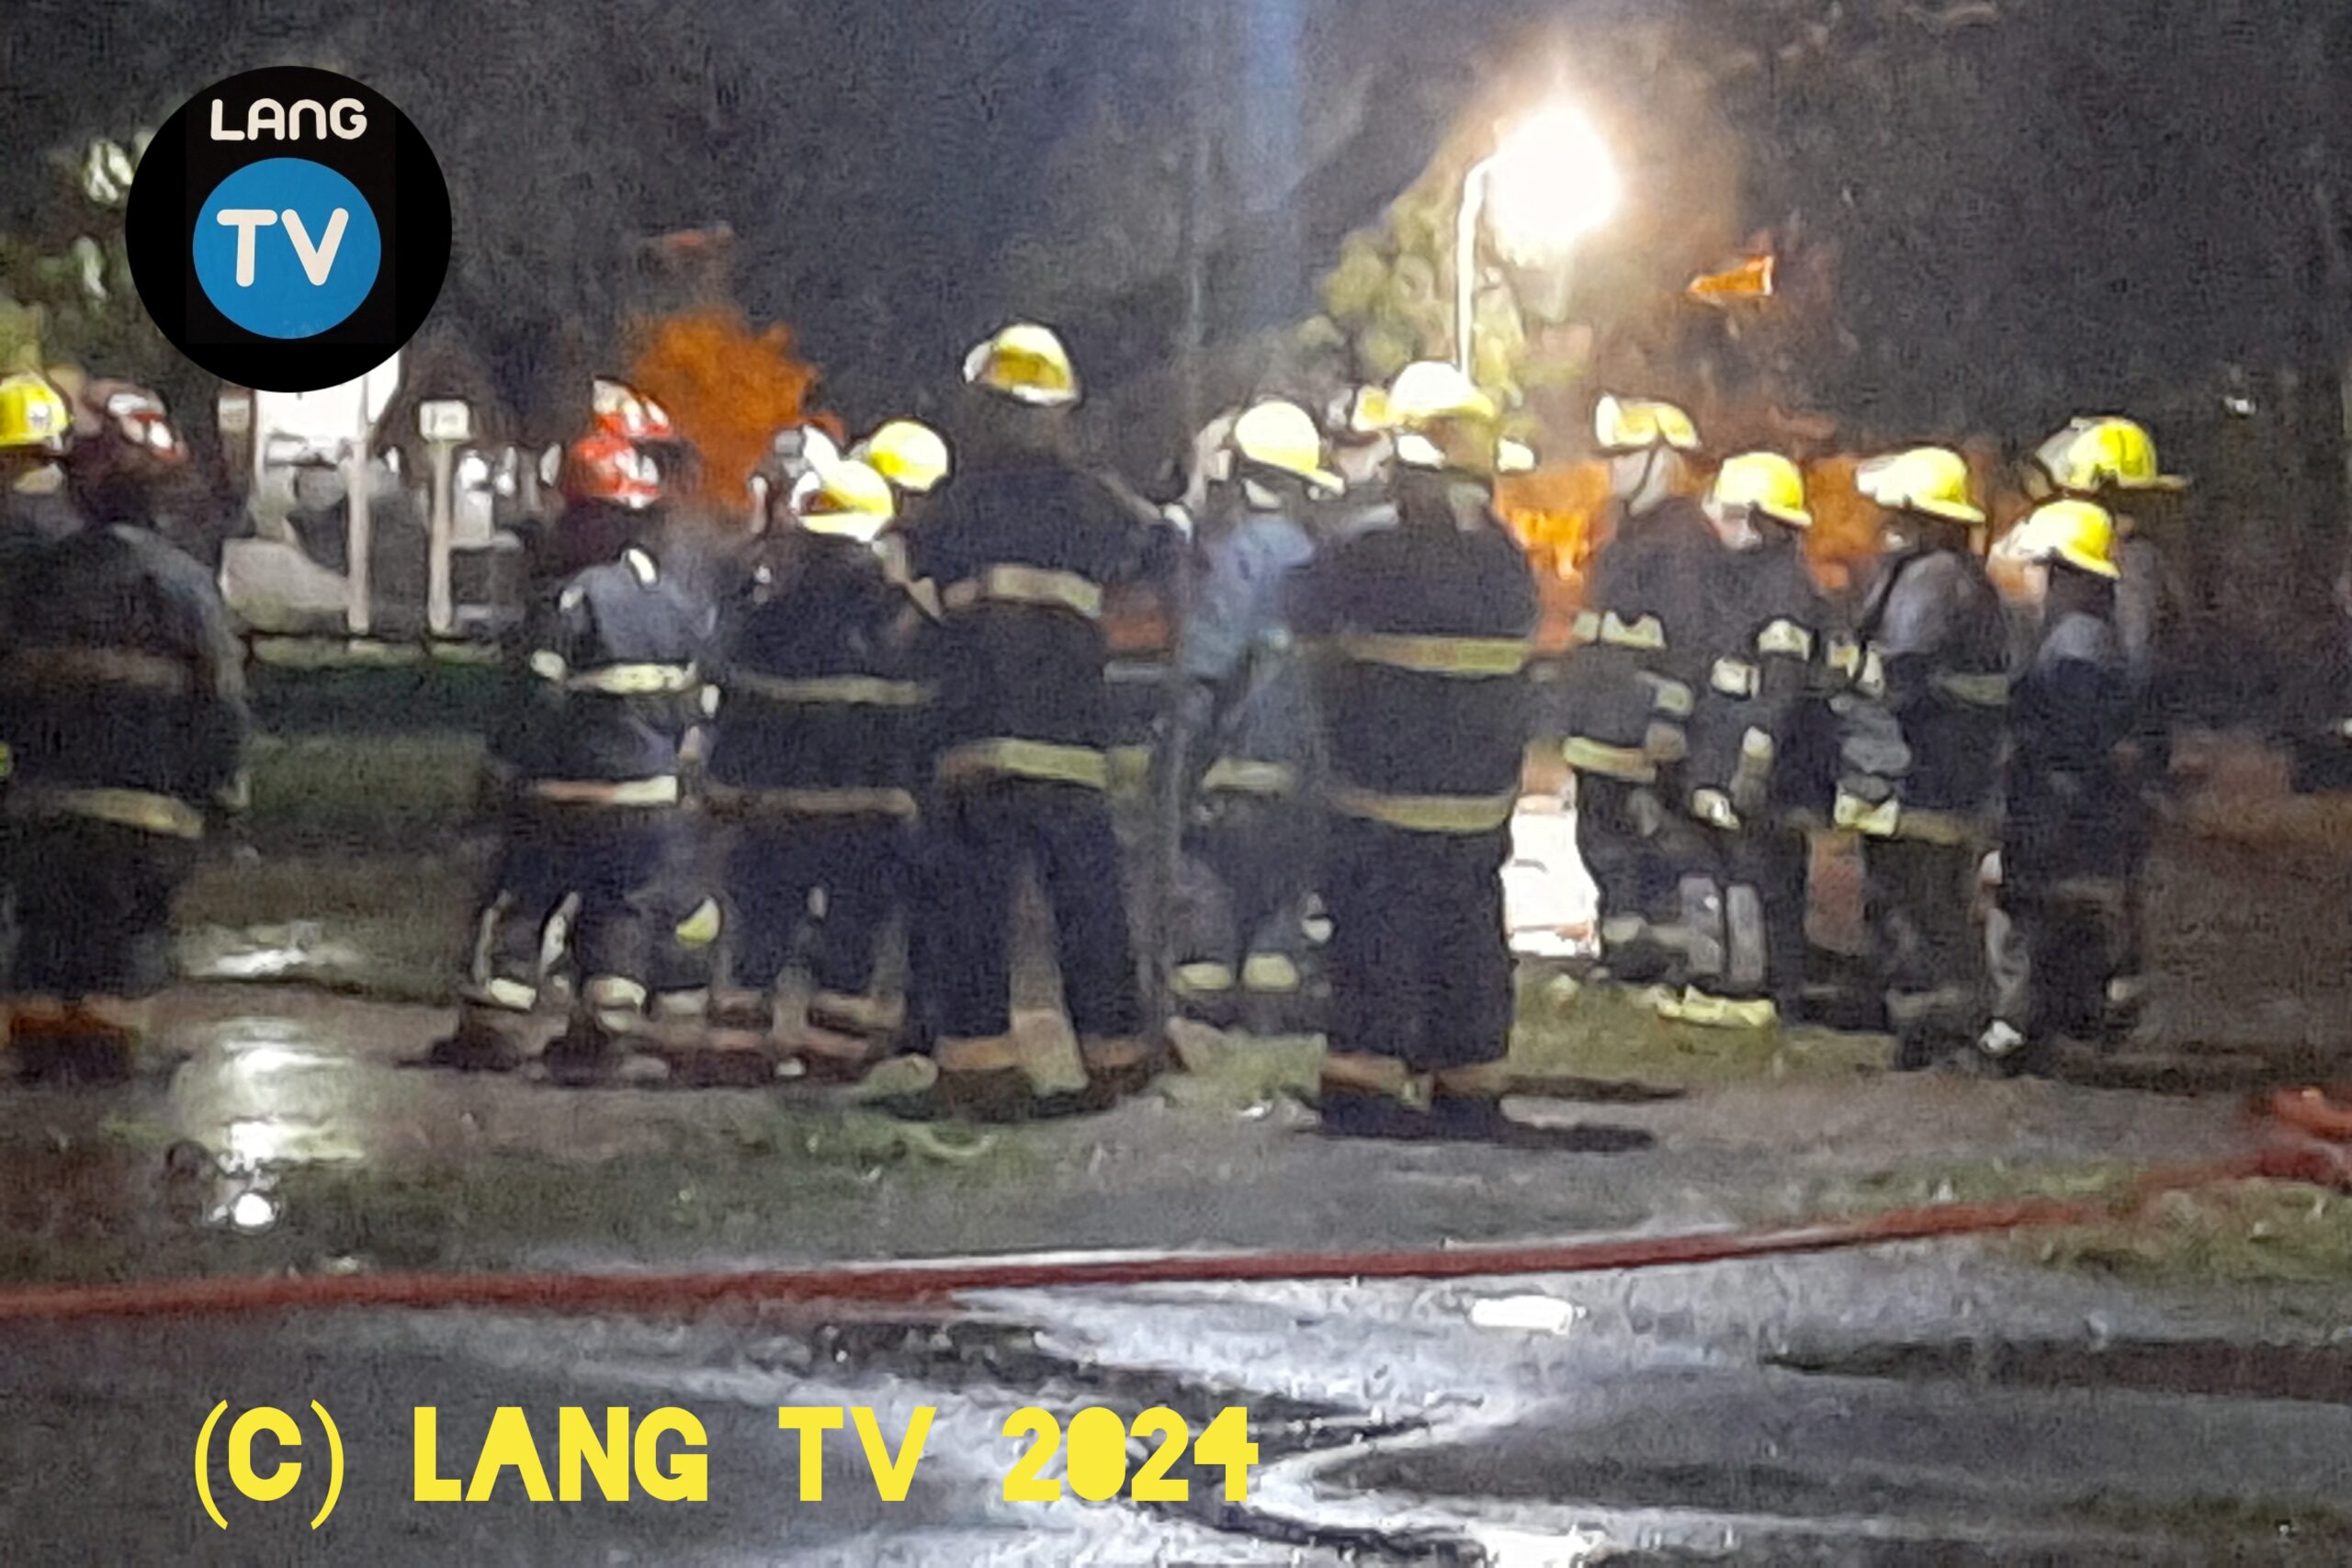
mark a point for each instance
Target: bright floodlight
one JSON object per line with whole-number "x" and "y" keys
{"x": 1551, "y": 184}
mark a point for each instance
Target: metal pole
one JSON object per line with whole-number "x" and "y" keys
{"x": 1465, "y": 263}
{"x": 440, "y": 613}
{"x": 359, "y": 536}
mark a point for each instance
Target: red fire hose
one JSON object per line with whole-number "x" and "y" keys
{"x": 902, "y": 1283}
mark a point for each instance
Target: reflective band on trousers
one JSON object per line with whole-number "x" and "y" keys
{"x": 1239, "y": 775}
{"x": 596, "y": 792}
{"x": 1037, "y": 585}
{"x": 1426, "y": 813}
{"x": 1462, "y": 658}
{"x": 816, "y": 802}
{"x": 818, "y": 691}
{"x": 1890, "y": 819}
{"x": 1647, "y": 633}
{"x": 1785, "y": 638}
{"x": 38, "y": 667}
{"x": 619, "y": 680}
{"x": 1630, "y": 763}
{"x": 142, "y": 809}
{"x": 1976, "y": 691}
{"x": 1041, "y": 760}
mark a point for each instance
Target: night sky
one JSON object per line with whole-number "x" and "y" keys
{"x": 2137, "y": 195}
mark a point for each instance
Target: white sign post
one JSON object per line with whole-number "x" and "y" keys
{"x": 445, "y": 424}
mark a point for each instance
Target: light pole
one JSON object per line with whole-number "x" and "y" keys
{"x": 1550, "y": 183}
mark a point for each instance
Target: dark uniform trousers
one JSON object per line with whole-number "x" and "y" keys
{"x": 985, "y": 833}
{"x": 1743, "y": 912}
{"x": 1420, "y": 962}
{"x": 860, "y": 865}
{"x": 634, "y": 871}
{"x": 1921, "y": 900}
{"x": 93, "y": 908}
{"x": 2052, "y": 951}
{"x": 1259, "y": 850}
{"x": 1623, "y": 836}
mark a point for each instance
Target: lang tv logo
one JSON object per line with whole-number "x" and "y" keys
{"x": 289, "y": 228}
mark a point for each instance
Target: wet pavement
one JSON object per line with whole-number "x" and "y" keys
{"x": 1945, "y": 1402}
{"x": 2180, "y": 1391}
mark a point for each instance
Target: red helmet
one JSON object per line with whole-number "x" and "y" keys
{"x": 621, "y": 410}
{"x": 604, "y": 467}
{"x": 127, "y": 423}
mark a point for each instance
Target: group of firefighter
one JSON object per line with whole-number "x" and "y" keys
{"x": 891, "y": 700}
{"x": 722, "y": 758}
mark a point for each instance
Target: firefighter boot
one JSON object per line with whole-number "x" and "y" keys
{"x": 980, "y": 1080}
{"x": 1360, "y": 1095}
{"x": 1202, "y": 992}
{"x": 1118, "y": 1067}
{"x": 85, "y": 1042}
{"x": 1466, "y": 1103}
{"x": 488, "y": 1039}
{"x": 607, "y": 1023}
{"x": 846, "y": 1035}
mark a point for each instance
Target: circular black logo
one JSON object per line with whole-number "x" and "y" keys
{"x": 289, "y": 228}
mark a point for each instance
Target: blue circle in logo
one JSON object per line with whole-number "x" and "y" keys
{"x": 286, "y": 248}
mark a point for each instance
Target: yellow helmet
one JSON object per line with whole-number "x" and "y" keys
{"x": 909, "y": 454}
{"x": 2099, "y": 455}
{"x": 1930, "y": 481}
{"x": 1282, "y": 436}
{"x": 33, "y": 413}
{"x": 1368, "y": 413}
{"x": 1429, "y": 390}
{"x": 1767, "y": 482}
{"x": 1026, "y": 363}
{"x": 1637, "y": 425}
{"x": 2079, "y": 532}
{"x": 845, "y": 498}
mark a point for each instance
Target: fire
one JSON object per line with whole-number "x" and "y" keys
{"x": 728, "y": 386}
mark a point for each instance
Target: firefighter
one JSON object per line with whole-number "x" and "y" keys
{"x": 1921, "y": 748}
{"x": 2112, "y": 462}
{"x": 1420, "y": 635}
{"x": 811, "y": 765}
{"x": 125, "y": 452}
{"x": 1017, "y": 554}
{"x": 122, "y": 704}
{"x": 1244, "y": 718}
{"x": 589, "y": 751}
{"x": 2069, "y": 841}
{"x": 1628, "y": 688}
{"x": 36, "y": 426}
{"x": 1744, "y": 911}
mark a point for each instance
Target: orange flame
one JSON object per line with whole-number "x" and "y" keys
{"x": 729, "y": 387}
{"x": 1751, "y": 279}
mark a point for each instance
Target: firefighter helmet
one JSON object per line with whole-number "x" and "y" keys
{"x": 607, "y": 467}
{"x": 1282, "y": 436}
{"x": 1637, "y": 424}
{"x": 1765, "y": 482}
{"x": 1930, "y": 481}
{"x": 2079, "y": 532}
{"x": 908, "y": 453}
{"x": 1430, "y": 391}
{"x": 33, "y": 413}
{"x": 846, "y": 498}
{"x": 1026, "y": 363}
{"x": 130, "y": 422}
{"x": 621, "y": 410}
{"x": 2103, "y": 455}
